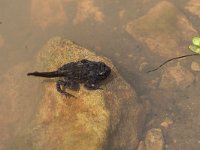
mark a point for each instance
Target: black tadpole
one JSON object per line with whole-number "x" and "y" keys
{"x": 171, "y": 60}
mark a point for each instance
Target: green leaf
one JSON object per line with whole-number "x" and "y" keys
{"x": 194, "y": 48}
{"x": 196, "y": 41}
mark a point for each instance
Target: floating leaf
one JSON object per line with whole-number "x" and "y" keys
{"x": 196, "y": 41}
{"x": 194, "y": 48}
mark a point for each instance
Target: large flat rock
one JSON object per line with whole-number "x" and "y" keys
{"x": 164, "y": 29}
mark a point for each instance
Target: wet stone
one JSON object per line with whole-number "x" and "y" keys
{"x": 176, "y": 77}
{"x": 166, "y": 123}
{"x": 164, "y": 29}
{"x": 193, "y": 6}
{"x": 195, "y": 66}
{"x": 154, "y": 140}
{"x": 110, "y": 118}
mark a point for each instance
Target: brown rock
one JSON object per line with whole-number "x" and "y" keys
{"x": 142, "y": 66}
{"x": 110, "y": 118}
{"x": 194, "y": 7}
{"x": 87, "y": 9}
{"x": 176, "y": 77}
{"x": 195, "y": 66}
{"x": 164, "y": 29}
{"x": 141, "y": 146}
{"x": 18, "y": 99}
{"x": 47, "y": 13}
{"x": 166, "y": 123}
{"x": 122, "y": 13}
{"x": 154, "y": 140}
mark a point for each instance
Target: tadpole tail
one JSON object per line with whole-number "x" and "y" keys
{"x": 171, "y": 60}
{"x": 46, "y": 74}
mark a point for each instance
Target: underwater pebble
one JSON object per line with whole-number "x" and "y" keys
{"x": 142, "y": 66}
{"x": 167, "y": 123}
{"x": 154, "y": 139}
{"x": 195, "y": 66}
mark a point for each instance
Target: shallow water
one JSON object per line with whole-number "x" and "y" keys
{"x": 98, "y": 25}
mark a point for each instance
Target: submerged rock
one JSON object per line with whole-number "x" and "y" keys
{"x": 17, "y": 103}
{"x": 164, "y": 29}
{"x": 153, "y": 141}
{"x": 176, "y": 77}
{"x": 193, "y": 7}
{"x": 195, "y": 66}
{"x": 109, "y": 119}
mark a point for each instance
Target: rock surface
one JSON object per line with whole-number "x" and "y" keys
{"x": 164, "y": 29}
{"x": 48, "y": 13}
{"x": 17, "y": 103}
{"x": 109, "y": 119}
{"x": 153, "y": 141}
{"x": 87, "y": 9}
{"x": 176, "y": 77}
{"x": 195, "y": 66}
{"x": 45, "y": 14}
{"x": 194, "y": 7}
{"x": 166, "y": 123}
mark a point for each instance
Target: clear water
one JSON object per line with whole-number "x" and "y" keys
{"x": 25, "y": 26}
